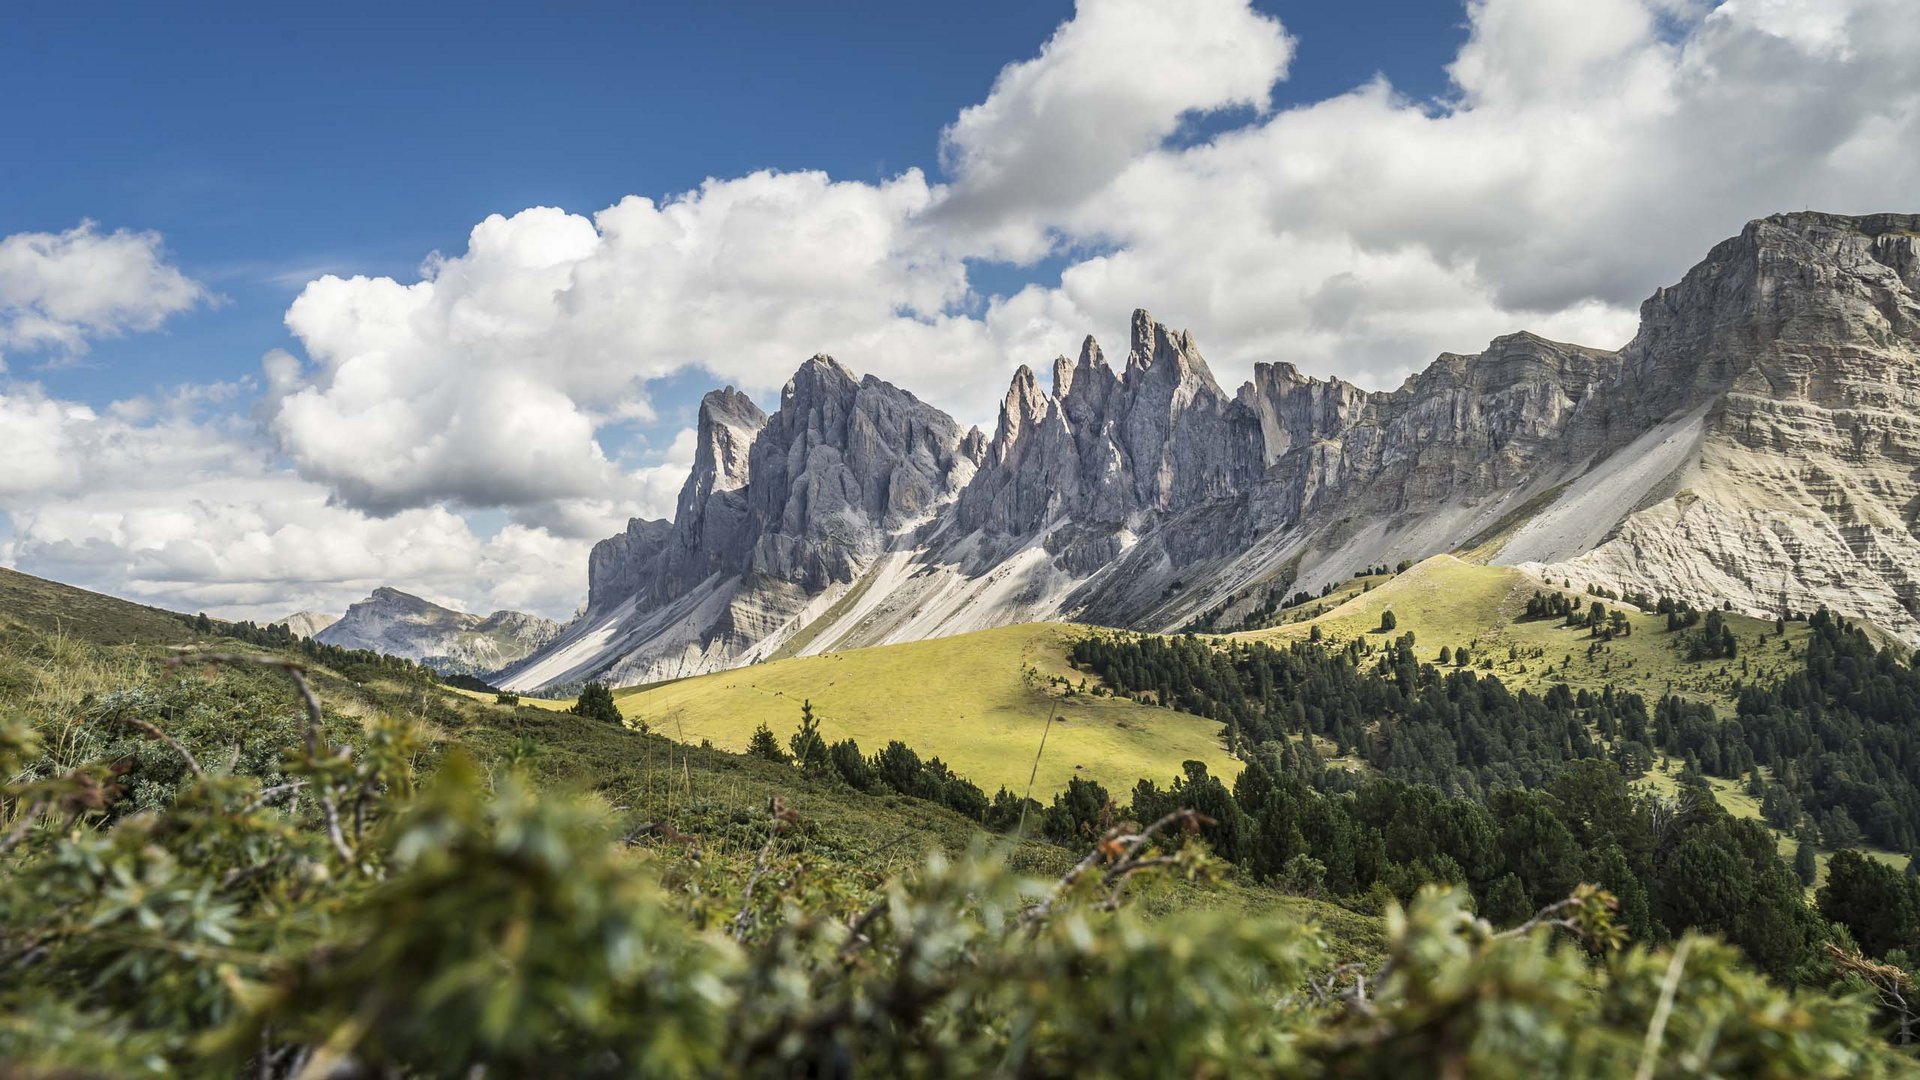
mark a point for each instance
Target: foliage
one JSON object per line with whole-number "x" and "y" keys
{"x": 596, "y": 703}
{"x": 271, "y": 891}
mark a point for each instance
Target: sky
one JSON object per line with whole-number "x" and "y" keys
{"x": 296, "y": 301}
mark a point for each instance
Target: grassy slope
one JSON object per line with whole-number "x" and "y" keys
{"x": 59, "y": 644}
{"x": 1447, "y": 602}
{"x": 978, "y": 701}
{"x": 90, "y": 616}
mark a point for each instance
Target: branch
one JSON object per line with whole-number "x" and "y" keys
{"x": 1657, "y": 1027}
{"x": 153, "y": 732}
{"x": 780, "y": 818}
{"x": 1119, "y": 851}
{"x": 267, "y": 795}
{"x": 20, "y": 829}
{"x": 298, "y": 673}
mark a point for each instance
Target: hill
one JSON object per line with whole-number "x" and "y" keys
{"x": 63, "y": 609}
{"x": 978, "y": 701}
{"x": 1446, "y": 602}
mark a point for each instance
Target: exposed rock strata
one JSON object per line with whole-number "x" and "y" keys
{"x": 1758, "y": 441}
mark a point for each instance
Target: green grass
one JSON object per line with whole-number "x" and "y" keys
{"x": 85, "y": 615}
{"x": 60, "y": 645}
{"x": 1447, "y": 602}
{"x": 980, "y": 702}
{"x": 1662, "y": 780}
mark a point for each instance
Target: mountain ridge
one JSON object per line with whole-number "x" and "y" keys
{"x": 1764, "y": 410}
{"x": 450, "y": 642}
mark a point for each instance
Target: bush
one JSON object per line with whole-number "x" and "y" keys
{"x": 596, "y": 703}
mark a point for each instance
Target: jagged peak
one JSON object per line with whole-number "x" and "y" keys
{"x": 728, "y": 405}
{"x": 820, "y": 373}
{"x": 1166, "y": 354}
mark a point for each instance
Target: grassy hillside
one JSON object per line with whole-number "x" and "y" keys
{"x": 59, "y": 608}
{"x": 979, "y": 702}
{"x": 1450, "y": 603}
{"x": 61, "y": 647}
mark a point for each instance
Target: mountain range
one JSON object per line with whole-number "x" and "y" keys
{"x": 1756, "y": 443}
{"x": 451, "y": 642}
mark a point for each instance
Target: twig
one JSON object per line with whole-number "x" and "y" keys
{"x": 315, "y": 722}
{"x": 1119, "y": 850}
{"x": 1657, "y": 1027}
{"x": 779, "y": 814}
{"x": 267, "y": 795}
{"x": 1021, "y": 829}
{"x": 153, "y": 731}
{"x": 20, "y": 828}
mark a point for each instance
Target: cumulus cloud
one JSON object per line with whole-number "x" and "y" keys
{"x": 1112, "y": 83}
{"x": 484, "y": 382}
{"x": 1590, "y": 150}
{"x": 1585, "y": 152}
{"x": 174, "y": 503}
{"x": 60, "y": 290}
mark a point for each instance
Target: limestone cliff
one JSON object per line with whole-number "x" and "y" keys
{"x": 1758, "y": 441}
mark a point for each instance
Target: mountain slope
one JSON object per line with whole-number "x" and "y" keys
{"x": 451, "y": 642}
{"x": 309, "y": 623}
{"x": 1756, "y": 441}
{"x": 980, "y": 702}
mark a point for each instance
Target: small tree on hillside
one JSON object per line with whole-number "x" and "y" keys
{"x": 809, "y": 749}
{"x": 1387, "y": 621}
{"x": 1805, "y": 866}
{"x": 596, "y": 703}
{"x": 764, "y": 745}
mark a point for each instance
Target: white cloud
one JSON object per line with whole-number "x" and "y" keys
{"x": 481, "y": 383}
{"x": 59, "y": 290}
{"x": 1113, "y": 82}
{"x": 166, "y": 503}
{"x": 1591, "y": 151}
{"x": 1586, "y": 152}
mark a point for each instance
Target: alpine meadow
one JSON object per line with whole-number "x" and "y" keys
{"x": 756, "y": 628}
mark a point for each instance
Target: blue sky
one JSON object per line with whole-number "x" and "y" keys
{"x": 272, "y": 143}
{"x": 321, "y": 335}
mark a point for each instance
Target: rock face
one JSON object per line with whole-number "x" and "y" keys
{"x": 450, "y": 642}
{"x": 1758, "y": 441}
{"x": 778, "y": 513}
{"x": 309, "y": 623}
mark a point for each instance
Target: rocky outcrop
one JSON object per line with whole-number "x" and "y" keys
{"x": 308, "y": 623}
{"x": 777, "y": 512}
{"x": 451, "y": 642}
{"x": 1758, "y": 440}
{"x": 1797, "y": 344}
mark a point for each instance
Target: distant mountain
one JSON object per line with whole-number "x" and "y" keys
{"x": 450, "y": 642}
{"x": 309, "y": 623}
{"x": 1758, "y": 442}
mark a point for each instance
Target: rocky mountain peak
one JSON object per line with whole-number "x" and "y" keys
{"x": 451, "y": 642}
{"x": 1166, "y": 356}
{"x": 727, "y": 424}
{"x": 1756, "y": 442}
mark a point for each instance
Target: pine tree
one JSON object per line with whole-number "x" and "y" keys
{"x": 596, "y": 703}
{"x": 809, "y": 749}
{"x": 764, "y": 745}
{"x": 1387, "y": 621}
{"x": 1805, "y": 867}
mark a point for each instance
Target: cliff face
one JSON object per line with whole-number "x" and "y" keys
{"x": 1758, "y": 440}
{"x": 777, "y": 512}
{"x": 1797, "y": 346}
